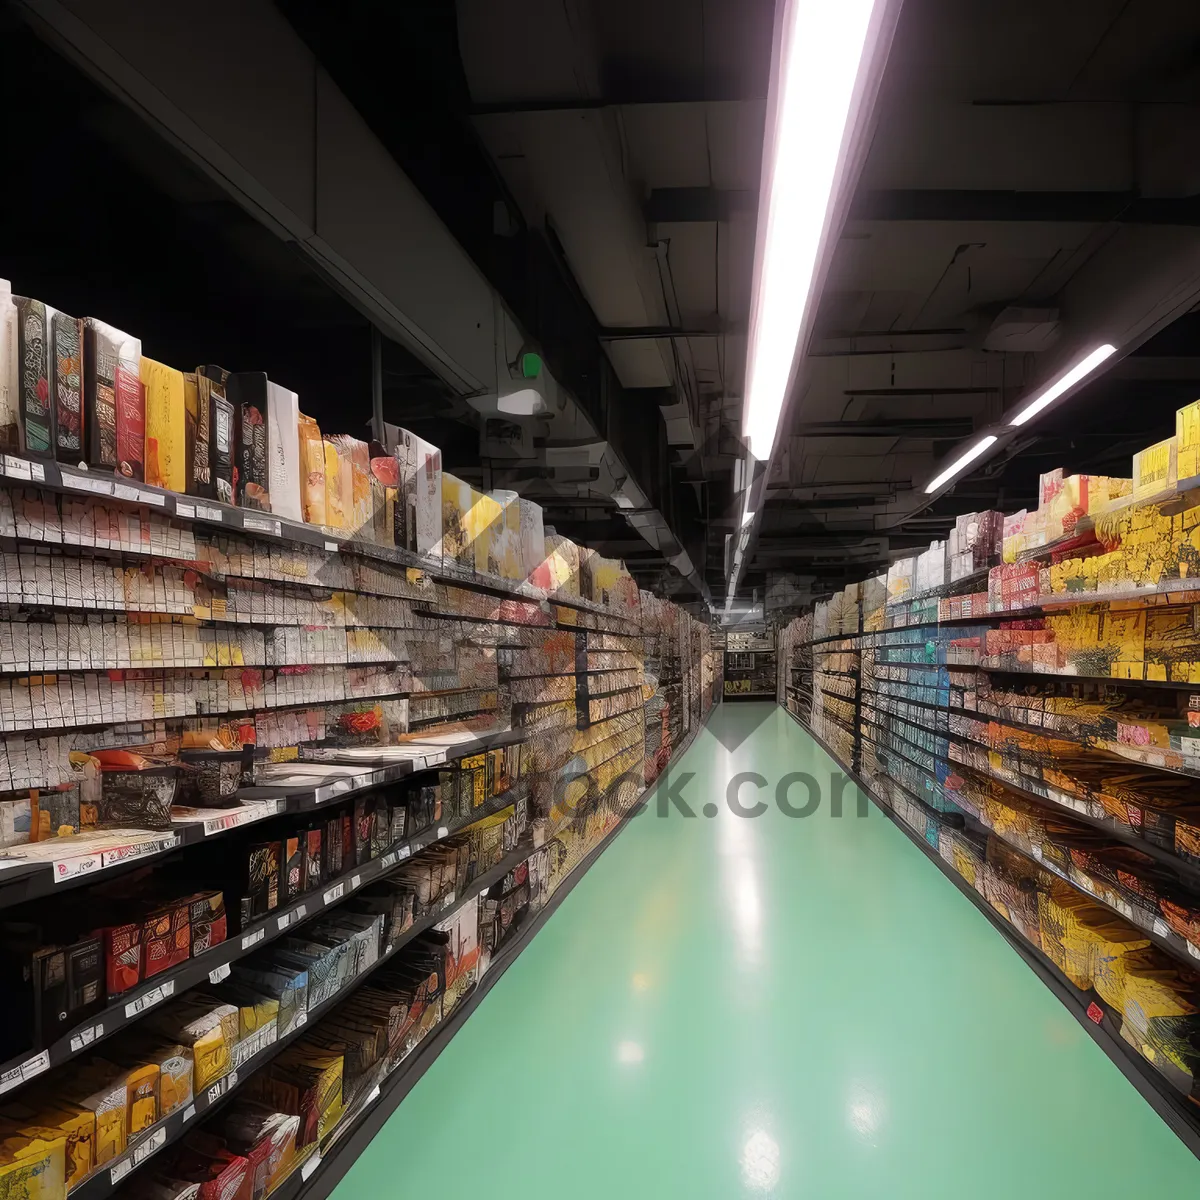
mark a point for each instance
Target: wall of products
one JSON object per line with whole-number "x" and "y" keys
{"x": 750, "y": 666}
{"x": 1023, "y": 699}
{"x": 297, "y": 735}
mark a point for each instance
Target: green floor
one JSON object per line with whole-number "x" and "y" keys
{"x": 804, "y": 1008}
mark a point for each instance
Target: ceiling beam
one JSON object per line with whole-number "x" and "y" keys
{"x": 916, "y": 427}
{"x": 943, "y": 204}
{"x": 698, "y": 203}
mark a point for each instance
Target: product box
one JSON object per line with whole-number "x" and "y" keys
{"x": 1155, "y": 469}
{"x": 166, "y": 938}
{"x": 427, "y": 498}
{"x": 37, "y": 1175}
{"x": 293, "y": 877}
{"x": 312, "y": 470}
{"x": 66, "y": 387}
{"x": 131, "y": 411}
{"x": 263, "y": 875}
{"x": 458, "y": 549}
{"x": 101, "y": 1092}
{"x": 283, "y": 410}
{"x": 165, "y": 461}
{"x": 533, "y": 544}
{"x": 102, "y": 346}
{"x": 282, "y": 982}
{"x": 248, "y": 393}
{"x": 33, "y": 378}
{"x": 123, "y": 961}
{"x": 1187, "y": 440}
{"x": 339, "y": 486}
{"x": 198, "y": 436}
{"x": 222, "y": 424}
{"x": 208, "y": 1028}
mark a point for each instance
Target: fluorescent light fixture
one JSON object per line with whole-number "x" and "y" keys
{"x": 961, "y": 461}
{"x": 820, "y": 54}
{"x": 1080, "y": 371}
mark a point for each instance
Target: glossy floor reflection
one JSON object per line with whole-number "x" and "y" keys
{"x": 732, "y": 1007}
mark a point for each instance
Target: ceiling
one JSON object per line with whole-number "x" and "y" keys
{"x": 1041, "y": 154}
{"x": 599, "y": 160}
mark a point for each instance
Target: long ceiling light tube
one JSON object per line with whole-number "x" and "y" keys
{"x": 1081, "y": 370}
{"x": 821, "y": 51}
{"x": 963, "y": 460}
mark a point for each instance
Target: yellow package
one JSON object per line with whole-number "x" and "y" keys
{"x": 174, "y": 1063}
{"x": 77, "y": 1126}
{"x": 40, "y": 1174}
{"x": 505, "y": 544}
{"x": 1155, "y": 469}
{"x": 339, "y": 487}
{"x": 1187, "y": 438}
{"x": 209, "y": 1029}
{"x": 312, "y": 471}
{"x": 457, "y": 546}
{"x": 141, "y": 1096}
{"x": 485, "y": 527}
{"x": 106, "y": 1101}
{"x": 166, "y": 423}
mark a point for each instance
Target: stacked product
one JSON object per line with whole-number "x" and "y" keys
{"x": 318, "y": 727}
{"x": 1025, "y": 712}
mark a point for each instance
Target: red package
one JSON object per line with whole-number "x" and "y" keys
{"x": 122, "y": 957}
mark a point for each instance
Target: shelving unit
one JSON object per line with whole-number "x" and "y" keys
{"x": 492, "y": 734}
{"x": 1030, "y": 724}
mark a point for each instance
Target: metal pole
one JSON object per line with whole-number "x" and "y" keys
{"x": 377, "y": 385}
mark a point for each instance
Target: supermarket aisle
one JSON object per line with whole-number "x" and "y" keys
{"x": 733, "y": 1007}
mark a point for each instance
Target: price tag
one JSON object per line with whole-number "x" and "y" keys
{"x": 388, "y": 860}
{"x": 150, "y": 999}
{"x": 334, "y": 893}
{"x": 207, "y": 513}
{"x": 1192, "y": 950}
{"x": 332, "y": 546}
{"x": 88, "y": 483}
{"x": 85, "y": 1037}
{"x": 261, "y": 524}
{"x": 157, "y": 498}
{"x": 284, "y": 921}
{"x": 221, "y": 972}
{"x": 26, "y": 1071}
{"x": 189, "y": 1113}
{"x": 355, "y": 883}
{"x": 187, "y": 511}
{"x": 123, "y": 491}
{"x": 309, "y": 1167}
{"x": 151, "y": 1145}
{"x": 1161, "y": 927}
{"x": 38, "y": 472}
{"x": 16, "y": 468}
{"x": 443, "y": 831}
{"x": 301, "y": 912}
{"x": 215, "y": 1092}
{"x": 403, "y": 852}
{"x": 69, "y": 868}
{"x": 252, "y": 939}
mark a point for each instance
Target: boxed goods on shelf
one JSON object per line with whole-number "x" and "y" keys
{"x": 354, "y": 737}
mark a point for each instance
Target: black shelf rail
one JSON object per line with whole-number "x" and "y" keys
{"x": 212, "y": 516}
{"x": 31, "y": 881}
{"x": 214, "y": 965}
{"x": 1102, "y": 1025}
{"x": 106, "y": 1179}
